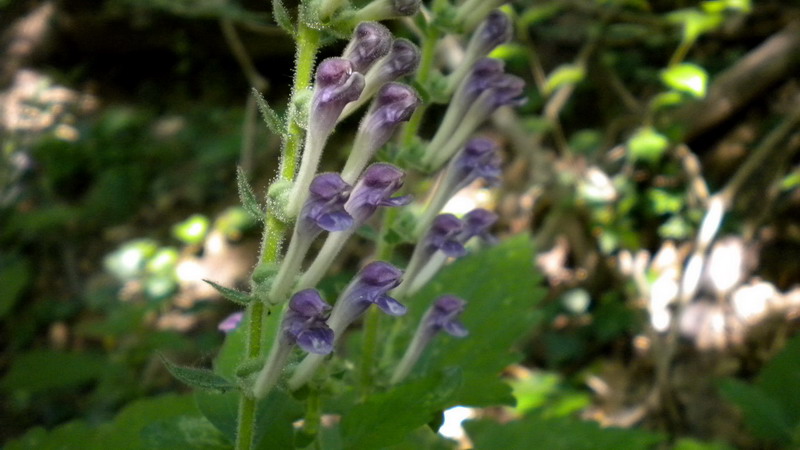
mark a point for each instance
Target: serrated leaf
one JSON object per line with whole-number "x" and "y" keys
{"x": 271, "y": 118}
{"x": 687, "y": 77}
{"x": 248, "y": 197}
{"x": 387, "y": 418}
{"x": 563, "y": 75}
{"x": 198, "y": 378}
{"x": 282, "y": 18}
{"x": 238, "y": 297}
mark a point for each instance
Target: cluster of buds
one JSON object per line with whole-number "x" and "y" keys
{"x": 338, "y": 204}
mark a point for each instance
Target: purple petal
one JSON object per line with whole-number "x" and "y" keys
{"x": 390, "y": 306}
{"x": 370, "y": 42}
{"x": 397, "y": 201}
{"x": 231, "y": 322}
{"x": 455, "y": 328}
{"x": 316, "y": 340}
{"x": 335, "y": 221}
{"x": 308, "y": 303}
{"x": 453, "y": 249}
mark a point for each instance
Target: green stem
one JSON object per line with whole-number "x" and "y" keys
{"x": 423, "y": 75}
{"x": 307, "y": 47}
{"x": 371, "y": 325}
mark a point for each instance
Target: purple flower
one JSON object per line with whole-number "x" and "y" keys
{"x": 477, "y": 223}
{"x": 370, "y": 286}
{"x": 337, "y": 83}
{"x": 493, "y": 31}
{"x": 478, "y": 159}
{"x": 442, "y": 315}
{"x": 403, "y": 59}
{"x": 231, "y": 322}
{"x": 395, "y": 103}
{"x": 324, "y": 207}
{"x": 304, "y": 323}
{"x": 443, "y": 236}
{"x": 375, "y": 188}
{"x": 485, "y": 73}
{"x": 387, "y": 9}
{"x": 370, "y": 42}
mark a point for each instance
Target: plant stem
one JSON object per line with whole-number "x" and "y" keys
{"x": 307, "y": 46}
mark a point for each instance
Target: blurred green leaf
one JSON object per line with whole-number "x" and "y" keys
{"x": 192, "y": 230}
{"x": 129, "y": 261}
{"x": 563, "y": 75}
{"x": 647, "y": 145}
{"x": 184, "y": 432}
{"x": 763, "y": 414}
{"x": 781, "y": 377}
{"x": 164, "y": 261}
{"x": 72, "y": 435}
{"x": 282, "y": 17}
{"x": 15, "y": 274}
{"x": 686, "y": 77}
{"x": 694, "y": 444}
{"x": 41, "y": 370}
{"x": 694, "y": 22}
{"x": 203, "y": 379}
{"x": 557, "y": 434}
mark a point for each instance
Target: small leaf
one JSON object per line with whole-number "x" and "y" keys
{"x": 563, "y": 75}
{"x": 238, "y": 297}
{"x": 271, "y": 118}
{"x": 647, "y": 145}
{"x": 282, "y": 18}
{"x": 689, "y": 78}
{"x": 192, "y": 230}
{"x": 695, "y": 22}
{"x": 248, "y": 197}
{"x": 199, "y": 378}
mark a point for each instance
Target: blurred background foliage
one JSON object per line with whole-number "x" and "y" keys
{"x": 123, "y": 121}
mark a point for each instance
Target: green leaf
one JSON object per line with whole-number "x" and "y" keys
{"x": 497, "y": 315}
{"x": 557, "y": 434}
{"x": 647, "y": 145}
{"x": 125, "y": 431}
{"x": 248, "y": 197}
{"x": 763, "y": 414}
{"x": 687, "y": 77}
{"x": 238, "y": 297}
{"x": 563, "y": 75}
{"x": 695, "y": 22}
{"x": 271, "y": 118}
{"x": 387, "y": 418}
{"x": 72, "y": 435}
{"x": 14, "y": 278}
{"x": 780, "y": 378}
{"x": 41, "y": 370}
{"x": 184, "y": 432}
{"x": 203, "y": 379}
{"x": 282, "y": 18}
{"x": 274, "y": 417}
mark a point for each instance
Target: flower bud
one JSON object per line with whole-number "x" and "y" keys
{"x": 395, "y": 103}
{"x": 304, "y": 323}
{"x": 387, "y": 9}
{"x": 337, "y": 83}
{"x": 443, "y": 236}
{"x": 370, "y": 42}
{"x": 370, "y": 286}
{"x": 493, "y": 31}
{"x": 477, "y": 223}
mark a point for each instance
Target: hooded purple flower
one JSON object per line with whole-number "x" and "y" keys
{"x": 478, "y": 159}
{"x": 403, "y": 59}
{"x": 375, "y": 188}
{"x": 324, "y": 208}
{"x": 443, "y": 235}
{"x": 442, "y": 315}
{"x": 395, "y": 103}
{"x": 493, "y": 31}
{"x": 369, "y": 286}
{"x": 336, "y": 84}
{"x": 304, "y": 323}
{"x": 370, "y": 42}
{"x": 477, "y": 223}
